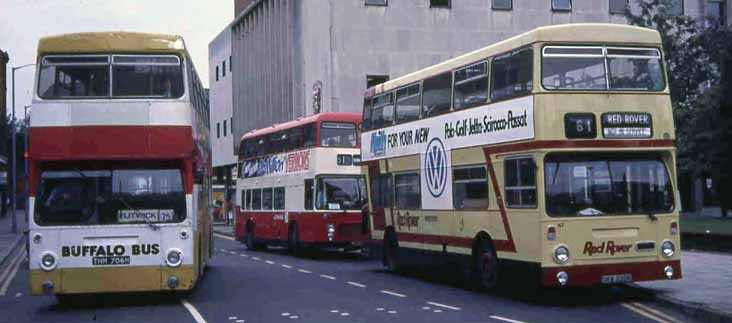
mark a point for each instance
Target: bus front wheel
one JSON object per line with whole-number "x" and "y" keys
{"x": 486, "y": 265}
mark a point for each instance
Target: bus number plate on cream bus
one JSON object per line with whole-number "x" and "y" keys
{"x": 614, "y": 279}
{"x": 111, "y": 261}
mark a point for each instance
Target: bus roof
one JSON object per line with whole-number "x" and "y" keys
{"x": 585, "y": 33}
{"x": 110, "y": 42}
{"x": 352, "y": 117}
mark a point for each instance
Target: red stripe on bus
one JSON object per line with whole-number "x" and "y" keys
{"x": 110, "y": 142}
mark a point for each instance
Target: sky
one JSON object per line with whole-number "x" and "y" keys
{"x": 23, "y": 22}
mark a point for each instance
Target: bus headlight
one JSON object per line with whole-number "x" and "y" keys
{"x": 668, "y": 249}
{"x": 561, "y": 255}
{"x": 48, "y": 261}
{"x": 174, "y": 258}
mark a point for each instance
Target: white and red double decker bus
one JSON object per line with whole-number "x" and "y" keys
{"x": 300, "y": 184}
{"x": 119, "y": 166}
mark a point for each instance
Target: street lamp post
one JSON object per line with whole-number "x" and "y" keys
{"x": 15, "y": 172}
{"x": 25, "y": 159}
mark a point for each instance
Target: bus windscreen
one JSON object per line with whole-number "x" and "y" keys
{"x": 106, "y": 197}
{"x": 585, "y": 185}
{"x": 341, "y": 193}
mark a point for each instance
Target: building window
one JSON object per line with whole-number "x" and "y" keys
{"x": 218, "y": 130}
{"x": 279, "y": 198}
{"x": 618, "y": 6}
{"x": 436, "y": 98}
{"x": 217, "y": 73}
{"x": 512, "y": 74}
{"x": 407, "y": 105}
{"x": 675, "y": 7}
{"x": 374, "y": 80}
{"x": 562, "y": 5}
{"x": 376, "y": 2}
{"x": 309, "y": 183}
{"x": 223, "y": 68}
{"x": 470, "y": 188}
{"x": 407, "y": 191}
{"x": 716, "y": 12}
{"x": 520, "y": 176}
{"x": 225, "y": 128}
{"x": 502, "y": 4}
{"x": 471, "y": 86}
{"x": 440, "y": 3}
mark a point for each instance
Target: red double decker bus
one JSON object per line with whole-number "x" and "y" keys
{"x": 300, "y": 184}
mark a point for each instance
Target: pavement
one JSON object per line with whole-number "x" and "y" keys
{"x": 705, "y": 291}
{"x": 8, "y": 239}
{"x": 243, "y": 286}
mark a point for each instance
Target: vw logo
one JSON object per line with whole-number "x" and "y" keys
{"x": 435, "y": 171}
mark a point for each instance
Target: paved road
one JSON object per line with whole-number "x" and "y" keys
{"x": 246, "y": 286}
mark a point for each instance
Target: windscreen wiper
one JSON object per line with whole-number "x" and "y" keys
{"x": 137, "y": 212}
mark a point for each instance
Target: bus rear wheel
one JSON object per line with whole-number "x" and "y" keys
{"x": 486, "y": 266}
{"x": 391, "y": 249}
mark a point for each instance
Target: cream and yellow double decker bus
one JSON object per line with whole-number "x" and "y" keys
{"x": 549, "y": 155}
{"x": 119, "y": 166}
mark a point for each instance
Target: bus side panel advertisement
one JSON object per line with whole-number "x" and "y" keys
{"x": 494, "y": 123}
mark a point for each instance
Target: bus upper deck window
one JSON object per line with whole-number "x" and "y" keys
{"x": 147, "y": 76}
{"x": 382, "y": 113}
{"x": 436, "y": 94}
{"x": 71, "y": 77}
{"x": 471, "y": 86}
{"x": 407, "y": 107}
{"x": 576, "y": 68}
{"x": 337, "y": 134}
{"x": 512, "y": 74}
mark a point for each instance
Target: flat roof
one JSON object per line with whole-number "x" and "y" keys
{"x": 110, "y": 42}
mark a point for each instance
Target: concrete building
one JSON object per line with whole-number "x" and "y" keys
{"x": 284, "y": 51}
{"x": 220, "y": 103}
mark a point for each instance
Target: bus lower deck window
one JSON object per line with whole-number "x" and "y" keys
{"x": 520, "y": 176}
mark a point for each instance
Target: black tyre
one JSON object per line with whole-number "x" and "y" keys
{"x": 391, "y": 250}
{"x": 293, "y": 241}
{"x": 485, "y": 269}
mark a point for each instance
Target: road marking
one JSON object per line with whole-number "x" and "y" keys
{"x": 243, "y": 255}
{"x": 345, "y": 314}
{"x": 379, "y": 309}
{"x": 232, "y": 252}
{"x": 294, "y": 317}
{"x": 444, "y": 306}
{"x": 656, "y": 312}
{"x": 255, "y": 258}
{"x": 328, "y": 277}
{"x": 231, "y": 318}
{"x": 356, "y": 284}
{"x": 13, "y": 270}
{"x": 239, "y": 321}
{"x": 270, "y": 262}
{"x": 285, "y": 314}
{"x": 194, "y": 312}
{"x": 643, "y": 313}
{"x": 392, "y": 312}
{"x": 18, "y": 295}
{"x": 305, "y": 271}
{"x": 393, "y": 293}
{"x": 437, "y": 311}
{"x": 334, "y": 311}
{"x": 8, "y": 269}
{"x": 219, "y": 235}
{"x": 426, "y": 308}
{"x": 505, "y": 319}
{"x": 287, "y": 266}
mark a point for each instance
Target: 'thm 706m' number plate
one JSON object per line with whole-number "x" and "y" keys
{"x": 614, "y": 279}
{"x": 111, "y": 261}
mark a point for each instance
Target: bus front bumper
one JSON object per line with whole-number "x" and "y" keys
{"x": 598, "y": 274}
{"x": 112, "y": 280}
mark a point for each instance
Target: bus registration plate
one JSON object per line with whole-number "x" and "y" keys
{"x": 614, "y": 279}
{"x": 111, "y": 261}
